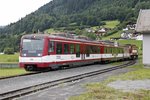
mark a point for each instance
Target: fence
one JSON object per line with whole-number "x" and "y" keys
{"x": 9, "y": 65}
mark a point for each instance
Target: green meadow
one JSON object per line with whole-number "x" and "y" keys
{"x": 4, "y": 72}
{"x": 4, "y": 58}
{"x": 111, "y": 24}
{"x": 9, "y": 59}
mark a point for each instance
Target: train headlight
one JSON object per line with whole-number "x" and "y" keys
{"x": 24, "y": 54}
{"x": 39, "y": 54}
{"x": 134, "y": 51}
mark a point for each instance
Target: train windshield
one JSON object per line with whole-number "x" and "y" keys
{"x": 32, "y": 47}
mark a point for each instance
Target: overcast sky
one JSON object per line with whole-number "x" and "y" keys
{"x": 13, "y": 10}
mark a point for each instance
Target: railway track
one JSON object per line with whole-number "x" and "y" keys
{"x": 24, "y": 91}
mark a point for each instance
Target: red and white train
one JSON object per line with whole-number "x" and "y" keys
{"x": 39, "y": 51}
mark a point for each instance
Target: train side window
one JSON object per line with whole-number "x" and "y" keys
{"x": 72, "y": 48}
{"x": 87, "y": 51}
{"x": 114, "y": 50}
{"x": 51, "y": 46}
{"x": 77, "y": 50}
{"x": 90, "y": 50}
{"x": 122, "y": 50}
{"x": 66, "y": 48}
{"x": 105, "y": 50}
{"x": 117, "y": 50}
{"x": 95, "y": 49}
{"x": 59, "y": 48}
{"x": 98, "y": 49}
{"x": 108, "y": 50}
{"x": 111, "y": 50}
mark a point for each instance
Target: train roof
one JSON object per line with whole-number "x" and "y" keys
{"x": 64, "y": 36}
{"x": 67, "y": 36}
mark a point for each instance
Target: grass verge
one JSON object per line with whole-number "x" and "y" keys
{"x": 4, "y": 72}
{"x": 9, "y": 58}
{"x": 99, "y": 91}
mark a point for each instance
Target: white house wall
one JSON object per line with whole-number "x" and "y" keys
{"x": 146, "y": 49}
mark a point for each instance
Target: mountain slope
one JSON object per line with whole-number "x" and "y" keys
{"x": 60, "y": 13}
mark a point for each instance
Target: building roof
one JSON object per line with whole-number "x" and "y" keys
{"x": 143, "y": 21}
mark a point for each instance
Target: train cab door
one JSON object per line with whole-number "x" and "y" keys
{"x": 82, "y": 52}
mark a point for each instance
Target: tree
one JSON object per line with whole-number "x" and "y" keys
{"x": 8, "y": 50}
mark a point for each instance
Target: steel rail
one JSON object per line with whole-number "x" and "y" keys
{"x": 24, "y": 91}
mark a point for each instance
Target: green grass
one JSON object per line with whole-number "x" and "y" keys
{"x": 99, "y": 91}
{"x": 140, "y": 73}
{"x": 135, "y": 42}
{"x": 111, "y": 24}
{"x": 115, "y": 35}
{"x": 117, "y": 63}
{"x": 95, "y": 27}
{"x": 72, "y": 24}
{"x": 51, "y": 30}
{"x": 9, "y": 58}
{"x": 11, "y": 71}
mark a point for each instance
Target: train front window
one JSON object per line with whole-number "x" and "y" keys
{"x": 51, "y": 46}
{"x": 32, "y": 47}
{"x": 59, "y": 48}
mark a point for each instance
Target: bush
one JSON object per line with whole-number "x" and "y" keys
{"x": 8, "y": 50}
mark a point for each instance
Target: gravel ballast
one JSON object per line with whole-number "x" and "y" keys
{"x": 131, "y": 85}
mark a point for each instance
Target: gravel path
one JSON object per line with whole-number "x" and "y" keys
{"x": 131, "y": 86}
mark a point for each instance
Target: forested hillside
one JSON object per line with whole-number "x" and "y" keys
{"x": 72, "y": 13}
{"x": 61, "y": 13}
